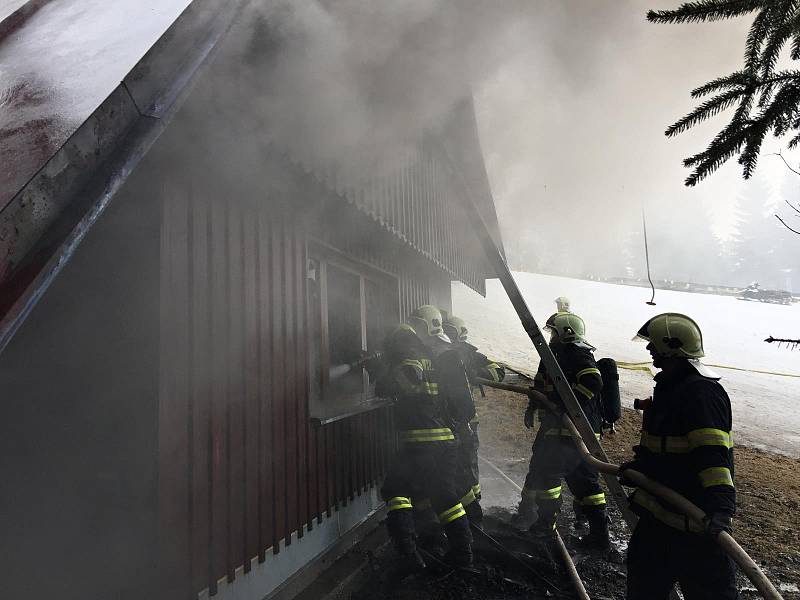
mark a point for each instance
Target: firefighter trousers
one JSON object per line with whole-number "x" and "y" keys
{"x": 554, "y": 458}
{"x": 659, "y": 556}
{"x": 422, "y": 470}
{"x": 468, "y": 485}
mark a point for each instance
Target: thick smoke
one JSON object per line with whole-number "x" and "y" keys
{"x": 351, "y": 84}
{"x": 572, "y": 100}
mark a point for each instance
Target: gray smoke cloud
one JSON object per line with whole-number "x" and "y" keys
{"x": 572, "y": 97}
{"x": 353, "y": 82}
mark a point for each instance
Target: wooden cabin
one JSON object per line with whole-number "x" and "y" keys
{"x": 171, "y": 312}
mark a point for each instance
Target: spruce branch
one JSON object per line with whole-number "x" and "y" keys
{"x": 706, "y": 110}
{"x": 737, "y": 79}
{"x": 704, "y": 10}
{"x": 767, "y": 102}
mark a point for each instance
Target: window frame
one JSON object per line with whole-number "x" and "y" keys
{"x": 323, "y": 255}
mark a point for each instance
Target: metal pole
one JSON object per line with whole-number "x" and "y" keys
{"x": 647, "y": 261}
{"x": 560, "y": 382}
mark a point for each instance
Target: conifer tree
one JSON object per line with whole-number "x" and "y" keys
{"x": 766, "y": 100}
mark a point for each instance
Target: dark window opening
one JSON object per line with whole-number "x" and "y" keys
{"x": 352, "y": 307}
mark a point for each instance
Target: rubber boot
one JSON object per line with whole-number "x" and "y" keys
{"x": 474, "y": 512}
{"x": 597, "y": 538}
{"x": 434, "y": 542}
{"x": 410, "y": 561}
{"x": 581, "y": 518}
{"x": 460, "y": 537}
{"x": 545, "y": 525}
{"x": 526, "y": 513}
{"x": 400, "y": 524}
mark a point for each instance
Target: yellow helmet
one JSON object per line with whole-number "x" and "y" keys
{"x": 427, "y": 322}
{"x": 455, "y": 328}
{"x": 673, "y": 335}
{"x": 567, "y": 327}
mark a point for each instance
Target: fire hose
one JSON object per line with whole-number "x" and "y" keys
{"x": 695, "y": 514}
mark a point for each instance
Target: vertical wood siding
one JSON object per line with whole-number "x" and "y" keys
{"x": 421, "y": 202}
{"x": 241, "y": 465}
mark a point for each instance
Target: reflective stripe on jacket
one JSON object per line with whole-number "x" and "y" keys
{"x": 686, "y": 444}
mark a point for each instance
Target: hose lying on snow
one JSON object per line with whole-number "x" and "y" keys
{"x": 688, "y": 508}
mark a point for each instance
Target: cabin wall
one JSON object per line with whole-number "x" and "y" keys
{"x": 79, "y": 419}
{"x": 251, "y": 488}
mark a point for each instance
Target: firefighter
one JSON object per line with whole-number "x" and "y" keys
{"x": 554, "y": 455}
{"x": 686, "y": 445}
{"x": 562, "y": 304}
{"x": 417, "y": 359}
{"x": 477, "y": 366}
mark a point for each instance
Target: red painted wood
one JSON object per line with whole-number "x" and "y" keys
{"x": 235, "y": 400}
{"x": 304, "y": 483}
{"x": 278, "y": 376}
{"x": 290, "y": 375}
{"x": 250, "y": 426}
{"x": 265, "y": 378}
{"x": 201, "y": 415}
{"x": 219, "y": 398}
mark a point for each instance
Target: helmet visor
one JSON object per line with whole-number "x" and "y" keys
{"x": 643, "y": 335}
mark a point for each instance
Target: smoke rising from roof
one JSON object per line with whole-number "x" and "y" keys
{"x": 572, "y": 98}
{"x": 351, "y": 83}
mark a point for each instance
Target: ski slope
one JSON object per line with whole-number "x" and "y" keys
{"x": 766, "y": 408}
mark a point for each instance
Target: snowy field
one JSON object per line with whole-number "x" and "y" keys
{"x": 766, "y": 408}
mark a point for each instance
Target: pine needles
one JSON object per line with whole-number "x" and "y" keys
{"x": 767, "y": 100}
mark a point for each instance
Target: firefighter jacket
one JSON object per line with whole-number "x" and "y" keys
{"x": 478, "y": 365}
{"x": 582, "y": 374}
{"x": 686, "y": 444}
{"x": 429, "y": 386}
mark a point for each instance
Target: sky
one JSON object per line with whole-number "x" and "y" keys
{"x": 572, "y": 122}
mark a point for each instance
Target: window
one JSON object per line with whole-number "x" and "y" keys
{"x": 352, "y": 307}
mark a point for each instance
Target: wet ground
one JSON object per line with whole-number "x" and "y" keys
{"x": 768, "y": 486}
{"x": 766, "y": 526}
{"x": 528, "y": 570}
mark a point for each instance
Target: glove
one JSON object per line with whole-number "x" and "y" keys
{"x": 530, "y": 416}
{"x": 634, "y": 464}
{"x": 716, "y": 523}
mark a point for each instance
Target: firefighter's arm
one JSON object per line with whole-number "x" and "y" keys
{"x": 485, "y": 368}
{"x": 588, "y": 382}
{"x": 708, "y": 419}
{"x": 403, "y": 377}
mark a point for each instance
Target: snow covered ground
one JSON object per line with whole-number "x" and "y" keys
{"x": 766, "y": 408}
